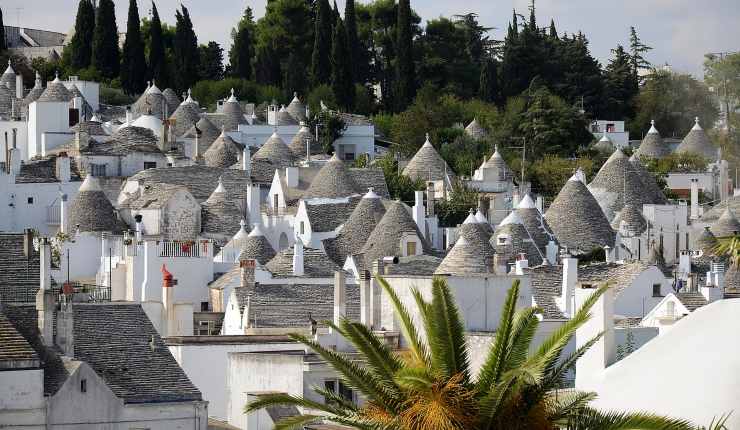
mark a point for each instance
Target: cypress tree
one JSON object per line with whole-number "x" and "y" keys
{"x": 553, "y": 31}
{"x": 157, "y": 56}
{"x": 133, "y": 63}
{"x": 81, "y": 45}
{"x": 105, "y": 54}
{"x": 620, "y": 86}
{"x": 242, "y": 50}
{"x": 353, "y": 43}
{"x": 3, "y": 42}
{"x": 404, "y": 57}
{"x": 266, "y": 66}
{"x": 488, "y": 87}
{"x": 320, "y": 64}
{"x": 341, "y": 70}
{"x": 637, "y": 52}
{"x": 294, "y": 78}
{"x": 211, "y": 61}
{"x": 336, "y": 16}
{"x": 187, "y": 58}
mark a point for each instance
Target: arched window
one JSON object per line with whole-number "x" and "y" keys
{"x": 283, "y": 244}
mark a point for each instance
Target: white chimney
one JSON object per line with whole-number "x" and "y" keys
{"x": 63, "y": 168}
{"x": 129, "y": 118}
{"x": 521, "y": 264}
{"x": 291, "y": 177}
{"x": 168, "y": 302}
{"x": 45, "y": 303}
{"x": 19, "y": 90}
{"x": 684, "y": 265}
{"x": 138, "y": 227}
{"x": 430, "y": 199}
{"x": 540, "y": 204}
{"x": 62, "y": 212}
{"x": 145, "y": 283}
{"x": 246, "y": 270}
{"x": 15, "y": 161}
{"x": 515, "y": 198}
{"x": 591, "y": 365}
{"x": 419, "y": 210}
{"x": 552, "y": 252}
{"x": 253, "y": 202}
{"x": 247, "y": 160}
{"x": 298, "y": 257}
{"x": 570, "y": 280}
{"x": 45, "y": 262}
{"x": 694, "y": 199}
{"x": 340, "y": 296}
{"x": 609, "y": 254}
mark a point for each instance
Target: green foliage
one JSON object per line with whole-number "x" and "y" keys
{"x": 322, "y": 93}
{"x": 320, "y": 63}
{"x": 621, "y": 86}
{"x": 453, "y": 212}
{"x": 105, "y": 54}
{"x": 341, "y": 69}
{"x": 80, "y": 48}
{"x": 294, "y": 78}
{"x": 242, "y": 47}
{"x": 114, "y": 96}
{"x": 208, "y": 92}
{"x": 405, "y": 87}
{"x": 443, "y": 64}
{"x": 672, "y": 100}
{"x": 185, "y": 49}
{"x": 399, "y": 186}
{"x": 211, "y": 61}
{"x": 488, "y": 88}
{"x": 158, "y": 56}
{"x": 133, "y": 63}
{"x": 331, "y": 127}
{"x": 637, "y": 53}
{"x": 353, "y": 43}
{"x": 549, "y": 173}
{"x": 722, "y": 73}
{"x": 285, "y": 28}
{"x": 430, "y": 383}
{"x": 364, "y": 100}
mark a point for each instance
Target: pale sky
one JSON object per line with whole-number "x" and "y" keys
{"x": 680, "y": 31}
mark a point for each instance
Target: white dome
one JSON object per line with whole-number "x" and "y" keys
{"x": 149, "y": 121}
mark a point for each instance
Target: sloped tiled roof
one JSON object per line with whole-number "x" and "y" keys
{"x": 467, "y": 257}
{"x": 327, "y": 216}
{"x": 534, "y": 222}
{"x": 298, "y": 143}
{"x": 55, "y": 92}
{"x": 152, "y": 102}
{"x": 15, "y": 347}
{"x": 125, "y": 141}
{"x": 355, "y": 232}
{"x": 44, "y": 171}
{"x": 208, "y": 134}
{"x": 223, "y": 152}
{"x": 633, "y": 219}
{"x": 475, "y": 130}
{"x": 19, "y": 274}
{"x": 385, "y": 238}
{"x": 184, "y": 115}
{"x": 316, "y": 264}
{"x": 726, "y": 225}
{"x": 519, "y": 241}
{"x": 257, "y": 247}
{"x": 92, "y": 128}
{"x": 692, "y": 301}
{"x": 414, "y": 265}
{"x": 233, "y": 115}
{"x": 296, "y": 109}
{"x": 172, "y": 99}
{"x": 652, "y": 145}
{"x": 276, "y": 151}
{"x": 427, "y": 164}
{"x": 152, "y": 196}
{"x": 333, "y": 180}
{"x": 697, "y": 142}
{"x": 577, "y": 219}
{"x": 220, "y": 214}
{"x": 35, "y": 92}
{"x": 91, "y": 209}
{"x": 652, "y": 190}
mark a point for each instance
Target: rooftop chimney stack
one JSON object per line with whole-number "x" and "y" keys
{"x": 19, "y": 90}
{"x": 570, "y": 280}
{"x": 246, "y": 270}
{"x": 168, "y": 282}
{"x": 63, "y": 168}
{"x": 430, "y": 199}
{"x": 247, "y": 160}
{"x": 591, "y": 365}
{"x": 45, "y": 303}
{"x": 694, "y": 198}
{"x": 62, "y": 212}
{"x": 298, "y": 257}
{"x": 340, "y": 296}
{"x": 138, "y": 218}
{"x": 419, "y": 211}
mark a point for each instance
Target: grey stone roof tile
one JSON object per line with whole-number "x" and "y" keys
{"x": 224, "y": 152}
{"x": 386, "y": 236}
{"x": 184, "y": 115}
{"x": 355, "y": 232}
{"x": 692, "y": 301}
{"x": 316, "y": 264}
{"x": 15, "y": 347}
{"x": 652, "y": 145}
{"x": 208, "y": 134}
{"x": 44, "y": 171}
{"x": 726, "y": 225}
{"x": 55, "y": 92}
{"x": 91, "y": 209}
{"x": 276, "y": 151}
{"x": 172, "y": 99}
{"x": 427, "y": 165}
{"x": 697, "y": 142}
{"x": 333, "y": 180}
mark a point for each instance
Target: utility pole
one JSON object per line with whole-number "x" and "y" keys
{"x": 524, "y": 157}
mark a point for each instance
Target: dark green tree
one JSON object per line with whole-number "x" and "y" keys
{"x": 526, "y": 55}
{"x": 266, "y": 66}
{"x": 285, "y": 28}
{"x": 637, "y": 52}
{"x": 488, "y": 89}
{"x": 405, "y": 84}
{"x": 242, "y": 48}
{"x": 477, "y": 43}
{"x": 187, "y": 57}
{"x": 80, "y": 48}
{"x": 133, "y": 63}
{"x": 158, "y": 69}
{"x": 553, "y": 33}
{"x": 350, "y": 23}
{"x": 3, "y": 42}
{"x": 294, "y": 78}
{"x": 105, "y": 54}
{"x": 442, "y": 63}
{"x": 211, "y": 61}
{"x": 576, "y": 76}
{"x": 341, "y": 69}
{"x": 320, "y": 62}
{"x": 620, "y": 86}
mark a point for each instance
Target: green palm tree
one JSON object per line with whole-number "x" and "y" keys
{"x": 430, "y": 385}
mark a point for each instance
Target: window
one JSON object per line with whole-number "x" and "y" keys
{"x": 502, "y": 240}
{"x": 204, "y": 306}
{"x": 150, "y": 165}
{"x": 411, "y": 248}
{"x": 97, "y": 169}
{"x": 610, "y": 128}
{"x": 303, "y": 227}
{"x": 30, "y": 200}
{"x": 275, "y": 202}
{"x": 83, "y": 385}
{"x": 656, "y": 290}
{"x": 349, "y": 156}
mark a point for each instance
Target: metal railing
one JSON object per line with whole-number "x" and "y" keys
{"x": 54, "y": 214}
{"x": 188, "y": 249}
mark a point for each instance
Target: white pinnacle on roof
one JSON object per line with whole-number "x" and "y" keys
{"x": 256, "y": 231}
{"x": 56, "y": 78}
{"x": 9, "y": 70}
{"x": 242, "y": 233}
{"x": 471, "y": 218}
{"x": 153, "y": 89}
{"x": 578, "y": 176}
{"x": 526, "y": 203}
{"x": 480, "y": 217}
{"x": 90, "y": 184}
{"x": 95, "y": 118}
{"x": 512, "y": 218}
{"x": 605, "y": 139}
{"x": 232, "y": 99}
{"x": 653, "y": 130}
{"x": 427, "y": 142}
{"x": 696, "y": 126}
{"x": 37, "y": 84}
{"x": 189, "y": 99}
{"x": 220, "y": 188}
{"x": 370, "y": 194}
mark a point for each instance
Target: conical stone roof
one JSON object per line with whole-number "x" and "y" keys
{"x": 233, "y": 113}
{"x": 467, "y": 258}
{"x": 652, "y": 145}
{"x": 512, "y": 238}
{"x": 332, "y": 181}
{"x": 240, "y": 237}
{"x": 427, "y": 164}
{"x": 208, "y": 134}
{"x": 220, "y": 215}
{"x": 356, "y": 231}
{"x": 184, "y": 116}
{"x": 298, "y": 144}
{"x": 257, "y": 247}
{"x": 651, "y": 187}
{"x": 497, "y": 162}
{"x": 577, "y": 219}
{"x": 655, "y": 258}
{"x": 223, "y": 153}
{"x": 91, "y": 209}
{"x": 285, "y": 118}
{"x": 276, "y": 151}
{"x": 35, "y": 92}
{"x": 475, "y": 130}
{"x": 172, "y": 99}
{"x": 618, "y": 183}
{"x": 534, "y": 222}
{"x": 385, "y": 239}
{"x": 150, "y": 102}
{"x": 55, "y": 92}
{"x": 697, "y": 142}
{"x": 726, "y": 225}
{"x": 706, "y": 241}
{"x": 8, "y": 77}
{"x": 6, "y": 101}
{"x": 296, "y": 109}
{"x": 633, "y": 220}
{"x": 604, "y": 144}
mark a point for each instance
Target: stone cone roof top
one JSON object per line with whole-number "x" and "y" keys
{"x": 298, "y": 144}
{"x": 240, "y": 237}
{"x": 732, "y": 278}
{"x": 6, "y": 101}
{"x": 55, "y": 92}
{"x": 172, "y": 99}
{"x": 726, "y": 225}
{"x": 132, "y": 135}
{"x": 233, "y": 113}
{"x": 276, "y": 151}
{"x": 91, "y": 209}
{"x": 208, "y": 134}
{"x": 87, "y": 110}
{"x": 648, "y": 181}
{"x": 496, "y": 161}
{"x": 466, "y": 258}
{"x": 619, "y": 183}
{"x": 633, "y": 219}
{"x": 475, "y": 232}
{"x": 697, "y": 142}
{"x": 427, "y": 164}
{"x": 223, "y": 153}
{"x": 577, "y": 219}
{"x": 483, "y": 222}
{"x": 604, "y": 144}
{"x": 385, "y": 239}
{"x": 652, "y": 145}
{"x": 92, "y": 128}
{"x": 706, "y": 241}
{"x": 332, "y": 181}
{"x": 357, "y": 229}
{"x": 8, "y": 77}
{"x": 220, "y": 215}
{"x": 296, "y": 109}
{"x": 185, "y": 115}
{"x": 257, "y": 247}
{"x": 35, "y": 92}
{"x": 512, "y": 238}
{"x": 285, "y": 118}
{"x": 151, "y": 101}
{"x": 475, "y": 130}
{"x": 534, "y": 222}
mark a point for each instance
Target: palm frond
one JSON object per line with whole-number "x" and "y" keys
{"x": 446, "y": 333}
{"x": 340, "y": 402}
{"x": 414, "y": 378}
{"x": 554, "y": 375}
{"x": 564, "y": 403}
{"x": 523, "y": 330}
{"x": 408, "y": 329}
{"x": 591, "y": 419}
{"x": 282, "y": 399}
{"x": 495, "y": 363}
{"x": 718, "y": 423}
{"x": 297, "y": 422}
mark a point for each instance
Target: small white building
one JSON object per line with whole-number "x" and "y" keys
{"x": 614, "y": 130}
